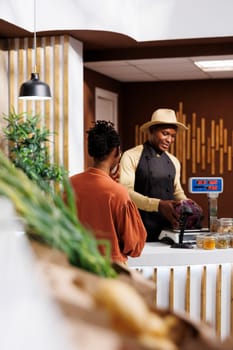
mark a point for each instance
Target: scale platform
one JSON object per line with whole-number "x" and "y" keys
{"x": 172, "y": 236}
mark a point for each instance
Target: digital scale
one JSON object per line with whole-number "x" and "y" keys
{"x": 208, "y": 185}
{"x": 173, "y": 236}
{"x": 211, "y": 186}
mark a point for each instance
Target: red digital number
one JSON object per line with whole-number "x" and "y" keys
{"x": 201, "y": 182}
{"x": 213, "y": 182}
{"x": 212, "y": 188}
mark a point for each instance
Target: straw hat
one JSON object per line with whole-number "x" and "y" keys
{"x": 163, "y": 116}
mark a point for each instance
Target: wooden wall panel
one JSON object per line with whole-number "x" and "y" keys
{"x": 52, "y": 66}
{"x": 205, "y": 144}
{"x": 65, "y": 104}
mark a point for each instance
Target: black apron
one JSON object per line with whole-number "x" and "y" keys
{"x": 154, "y": 177}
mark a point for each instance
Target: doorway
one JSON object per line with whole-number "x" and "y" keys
{"x": 106, "y": 106}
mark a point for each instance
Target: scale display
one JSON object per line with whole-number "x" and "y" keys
{"x": 205, "y": 184}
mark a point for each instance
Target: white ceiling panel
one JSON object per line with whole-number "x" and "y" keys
{"x": 161, "y": 69}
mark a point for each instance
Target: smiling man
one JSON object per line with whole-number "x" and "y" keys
{"x": 152, "y": 174}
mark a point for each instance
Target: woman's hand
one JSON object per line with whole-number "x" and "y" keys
{"x": 115, "y": 173}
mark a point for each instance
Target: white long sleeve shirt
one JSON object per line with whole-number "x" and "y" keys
{"x": 128, "y": 166}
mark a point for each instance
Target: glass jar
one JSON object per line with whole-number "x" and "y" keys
{"x": 225, "y": 226}
{"x": 199, "y": 241}
{"x": 209, "y": 241}
{"x": 222, "y": 241}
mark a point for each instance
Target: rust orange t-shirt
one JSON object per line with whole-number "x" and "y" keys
{"x": 104, "y": 207}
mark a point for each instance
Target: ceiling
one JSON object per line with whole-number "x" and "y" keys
{"x": 158, "y": 69}
{"x": 126, "y": 60}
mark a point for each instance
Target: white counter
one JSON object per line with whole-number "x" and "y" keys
{"x": 195, "y": 281}
{"x": 159, "y": 254}
{"x": 29, "y": 318}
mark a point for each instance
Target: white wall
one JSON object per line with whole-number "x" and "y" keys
{"x": 142, "y": 20}
{"x": 3, "y": 94}
{"x": 76, "y": 112}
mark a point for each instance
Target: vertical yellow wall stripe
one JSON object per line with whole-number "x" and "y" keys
{"x": 21, "y": 71}
{"x": 194, "y": 121}
{"x": 171, "y": 289}
{"x": 178, "y": 146}
{"x": 47, "y": 63}
{"x": 221, "y": 160}
{"x": 225, "y": 137}
{"x": 203, "y": 294}
{"x": 212, "y": 133}
{"x": 217, "y": 134}
{"x": 56, "y": 99}
{"x": 198, "y": 145}
{"x": 218, "y": 300}
{"x": 229, "y": 158}
{"x": 12, "y": 72}
{"x": 155, "y": 280}
{"x": 65, "y": 102}
{"x": 179, "y": 139}
{"x": 194, "y": 148}
{"x": 183, "y": 159}
{"x": 194, "y": 161}
{"x": 30, "y": 69}
{"x": 188, "y": 151}
{"x": 220, "y": 131}
{"x": 202, "y": 131}
{"x": 38, "y": 69}
{"x": 187, "y": 289}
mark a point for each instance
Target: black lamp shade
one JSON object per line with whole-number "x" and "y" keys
{"x": 34, "y": 89}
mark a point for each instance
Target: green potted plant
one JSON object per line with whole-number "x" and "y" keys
{"x": 28, "y": 148}
{"x": 46, "y": 216}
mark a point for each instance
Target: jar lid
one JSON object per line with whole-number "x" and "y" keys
{"x": 225, "y": 220}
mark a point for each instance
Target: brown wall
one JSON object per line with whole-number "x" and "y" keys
{"x": 91, "y": 81}
{"x": 209, "y": 99}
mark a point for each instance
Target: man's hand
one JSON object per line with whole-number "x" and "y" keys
{"x": 167, "y": 209}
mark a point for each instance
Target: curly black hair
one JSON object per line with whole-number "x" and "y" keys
{"x": 102, "y": 139}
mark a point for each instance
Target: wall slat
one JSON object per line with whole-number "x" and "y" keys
{"x": 217, "y": 133}
{"x": 203, "y": 294}
{"x": 52, "y": 66}
{"x": 171, "y": 290}
{"x": 229, "y": 158}
{"x": 218, "y": 300}
{"x": 65, "y": 103}
{"x": 187, "y": 290}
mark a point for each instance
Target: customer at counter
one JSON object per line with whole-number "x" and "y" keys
{"x": 152, "y": 174}
{"x": 103, "y": 205}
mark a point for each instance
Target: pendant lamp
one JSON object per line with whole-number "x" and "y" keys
{"x": 34, "y": 89}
